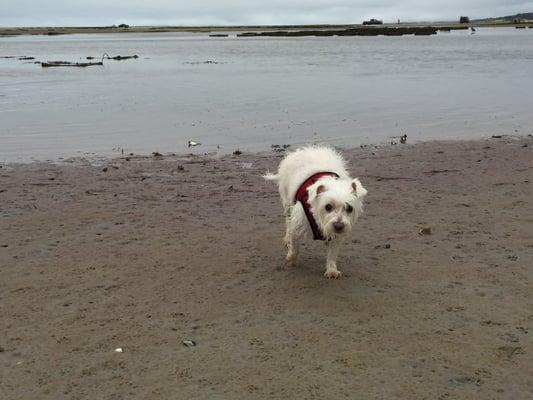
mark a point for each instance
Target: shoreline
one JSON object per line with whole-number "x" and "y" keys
{"x": 17, "y": 31}
{"x": 97, "y": 159}
{"x": 144, "y": 254}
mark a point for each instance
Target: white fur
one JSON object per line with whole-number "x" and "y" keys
{"x": 293, "y": 171}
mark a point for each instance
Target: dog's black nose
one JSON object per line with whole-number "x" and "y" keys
{"x": 338, "y": 226}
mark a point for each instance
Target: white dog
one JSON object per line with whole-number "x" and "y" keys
{"x": 319, "y": 199}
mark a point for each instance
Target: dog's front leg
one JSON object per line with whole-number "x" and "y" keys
{"x": 293, "y": 220}
{"x": 331, "y": 264}
{"x": 291, "y": 241}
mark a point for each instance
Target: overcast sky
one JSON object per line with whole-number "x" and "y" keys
{"x": 248, "y": 12}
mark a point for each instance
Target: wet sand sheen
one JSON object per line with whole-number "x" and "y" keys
{"x": 249, "y": 93}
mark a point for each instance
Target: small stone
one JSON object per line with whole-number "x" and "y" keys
{"x": 118, "y": 350}
{"x": 189, "y": 343}
{"x": 237, "y": 153}
{"x": 425, "y": 231}
{"x": 104, "y": 169}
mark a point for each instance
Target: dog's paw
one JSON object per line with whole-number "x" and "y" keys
{"x": 291, "y": 260}
{"x": 291, "y": 263}
{"x": 332, "y": 274}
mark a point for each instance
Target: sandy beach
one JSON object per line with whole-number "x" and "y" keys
{"x": 142, "y": 253}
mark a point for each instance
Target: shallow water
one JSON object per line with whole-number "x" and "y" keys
{"x": 261, "y": 91}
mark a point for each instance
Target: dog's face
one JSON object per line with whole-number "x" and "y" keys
{"x": 336, "y": 205}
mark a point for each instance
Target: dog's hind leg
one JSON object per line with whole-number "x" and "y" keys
{"x": 331, "y": 264}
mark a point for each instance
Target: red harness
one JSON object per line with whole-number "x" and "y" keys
{"x": 302, "y": 196}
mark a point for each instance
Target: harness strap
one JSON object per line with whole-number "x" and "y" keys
{"x": 302, "y": 196}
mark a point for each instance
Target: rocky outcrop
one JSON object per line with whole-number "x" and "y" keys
{"x": 360, "y": 31}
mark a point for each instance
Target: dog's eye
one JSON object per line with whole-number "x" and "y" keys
{"x": 349, "y": 209}
{"x": 329, "y": 207}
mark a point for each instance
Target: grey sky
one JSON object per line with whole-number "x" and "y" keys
{"x": 232, "y": 12}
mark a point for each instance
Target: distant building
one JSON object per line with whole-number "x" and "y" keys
{"x": 464, "y": 20}
{"x": 373, "y": 21}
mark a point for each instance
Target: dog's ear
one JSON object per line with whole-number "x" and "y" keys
{"x": 358, "y": 189}
{"x": 320, "y": 189}
{"x": 314, "y": 191}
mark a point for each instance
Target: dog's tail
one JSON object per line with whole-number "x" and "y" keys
{"x": 271, "y": 177}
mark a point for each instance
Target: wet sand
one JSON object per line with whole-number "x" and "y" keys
{"x": 157, "y": 250}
